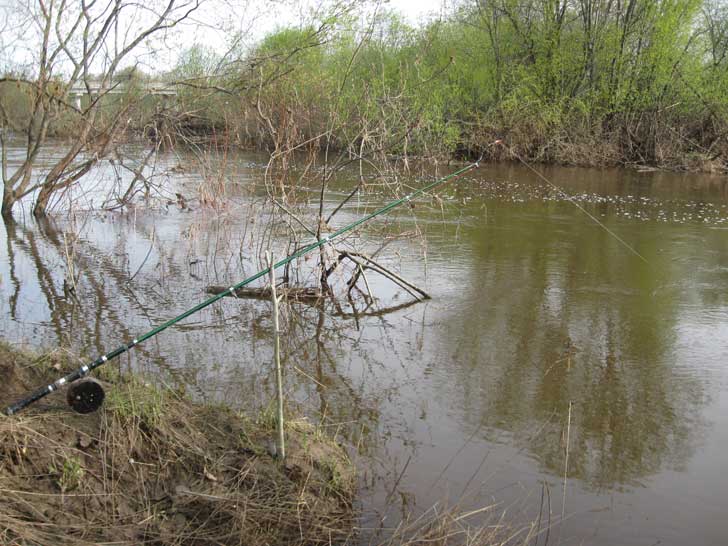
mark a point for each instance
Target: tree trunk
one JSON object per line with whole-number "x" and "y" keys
{"x": 40, "y": 209}
{"x": 7, "y": 206}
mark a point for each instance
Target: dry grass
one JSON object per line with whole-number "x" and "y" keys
{"x": 451, "y": 526}
{"x": 153, "y": 468}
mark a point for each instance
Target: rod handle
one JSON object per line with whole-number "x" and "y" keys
{"x": 32, "y": 397}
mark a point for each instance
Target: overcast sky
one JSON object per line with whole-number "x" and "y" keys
{"x": 414, "y": 9}
{"x": 267, "y": 15}
{"x": 212, "y": 25}
{"x": 263, "y": 16}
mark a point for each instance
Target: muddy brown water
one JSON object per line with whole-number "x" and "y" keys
{"x": 544, "y": 331}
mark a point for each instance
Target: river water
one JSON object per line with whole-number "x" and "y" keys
{"x": 584, "y": 338}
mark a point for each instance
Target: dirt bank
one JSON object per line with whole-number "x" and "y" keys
{"x": 152, "y": 467}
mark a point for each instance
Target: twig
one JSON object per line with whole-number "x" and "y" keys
{"x": 399, "y": 479}
{"x": 366, "y": 283}
{"x": 277, "y": 355}
{"x": 566, "y": 470}
{"x": 292, "y": 215}
{"x": 151, "y": 245}
{"x": 391, "y": 275}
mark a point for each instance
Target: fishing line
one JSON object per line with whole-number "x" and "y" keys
{"x": 574, "y": 202}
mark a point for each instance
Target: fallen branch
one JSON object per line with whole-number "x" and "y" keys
{"x": 306, "y": 294}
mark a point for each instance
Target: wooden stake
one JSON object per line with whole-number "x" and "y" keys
{"x": 277, "y": 356}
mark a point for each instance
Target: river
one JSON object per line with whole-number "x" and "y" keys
{"x": 594, "y": 326}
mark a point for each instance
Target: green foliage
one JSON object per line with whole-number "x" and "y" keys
{"x": 15, "y": 102}
{"x": 136, "y": 401}
{"x": 534, "y": 68}
{"x": 197, "y": 77}
{"x": 542, "y": 73}
{"x": 69, "y": 473}
{"x": 196, "y": 62}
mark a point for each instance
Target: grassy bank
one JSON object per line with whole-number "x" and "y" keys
{"x": 152, "y": 467}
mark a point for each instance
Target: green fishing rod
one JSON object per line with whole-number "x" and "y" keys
{"x": 103, "y": 359}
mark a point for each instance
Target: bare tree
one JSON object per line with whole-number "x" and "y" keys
{"x": 75, "y": 45}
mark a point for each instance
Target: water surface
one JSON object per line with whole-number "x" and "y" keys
{"x": 546, "y": 330}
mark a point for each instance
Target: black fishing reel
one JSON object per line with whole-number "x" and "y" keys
{"x": 85, "y": 395}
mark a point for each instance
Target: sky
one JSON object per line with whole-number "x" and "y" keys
{"x": 211, "y": 25}
{"x": 264, "y": 16}
{"x": 415, "y": 9}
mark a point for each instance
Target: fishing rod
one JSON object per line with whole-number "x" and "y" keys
{"x": 95, "y": 397}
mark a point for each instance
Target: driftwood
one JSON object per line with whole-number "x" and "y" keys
{"x": 305, "y": 295}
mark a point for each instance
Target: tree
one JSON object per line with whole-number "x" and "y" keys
{"x": 75, "y": 46}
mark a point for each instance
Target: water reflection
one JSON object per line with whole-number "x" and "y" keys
{"x": 66, "y": 285}
{"x": 553, "y": 311}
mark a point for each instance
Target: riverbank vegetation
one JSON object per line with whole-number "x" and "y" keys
{"x": 639, "y": 82}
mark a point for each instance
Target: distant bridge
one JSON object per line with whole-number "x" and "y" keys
{"x": 80, "y": 89}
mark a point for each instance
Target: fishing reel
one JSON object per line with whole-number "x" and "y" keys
{"x": 85, "y": 395}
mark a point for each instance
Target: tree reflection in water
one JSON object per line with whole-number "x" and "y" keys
{"x": 534, "y": 333}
